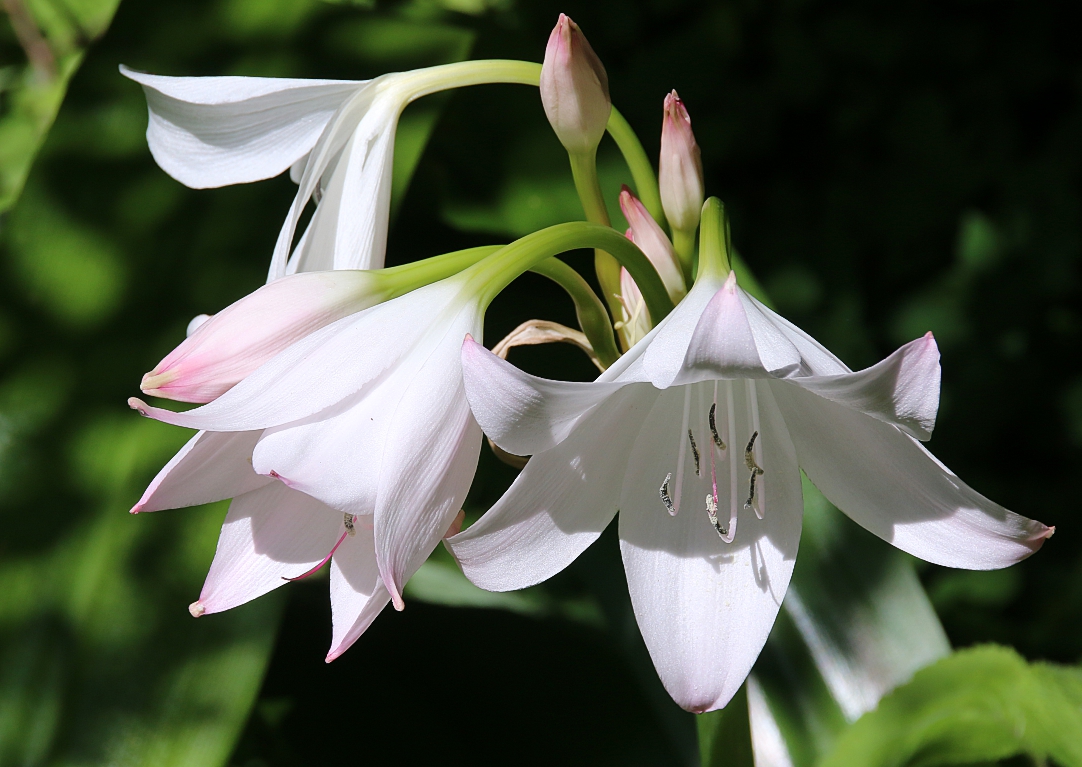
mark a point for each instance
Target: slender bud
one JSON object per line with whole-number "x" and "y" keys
{"x": 652, "y": 241}
{"x": 574, "y": 88}
{"x": 225, "y": 348}
{"x": 680, "y": 175}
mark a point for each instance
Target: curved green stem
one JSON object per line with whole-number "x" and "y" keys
{"x": 642, "y": 172}
{"x": 406, "y": 277}
{"x": 591, "y": 314}
{"x": 684, "y": 243}
{"x": 498, "y": 270}
{"x": 461, "y": 74}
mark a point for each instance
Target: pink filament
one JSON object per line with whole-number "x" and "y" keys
{"x": 322, "y": 562}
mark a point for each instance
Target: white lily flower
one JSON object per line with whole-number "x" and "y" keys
{"x": 354, "y": 444}
{"x": 337, "y": 137}
{"x": 704, "y": 424}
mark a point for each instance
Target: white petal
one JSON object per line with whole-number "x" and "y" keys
{"x": 817, "y": 359}
{"x": 522, "y": 413}
{"x": 705, "y": 607}
{"x": 327, "y": 366}
{"x": 269, "y": 535}
{"x": 212, "y": 466}
{"x": 559, "y": 504}
{"x": 889, "y": 484}
{"x": 902, "y": 390}
{"x": 213, "y": 131}
{"x": 428, "y": 464}
{"x": 663, "y": 353}
{"x": 733, "y": 339}
{"x": 357, "y": 592}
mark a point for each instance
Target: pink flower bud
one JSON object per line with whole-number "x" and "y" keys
{"x": 680, "y": 174}
{"x": 652, "y": 241}
{"x": 228, "y": 346}
{"x": 574, "y": 88}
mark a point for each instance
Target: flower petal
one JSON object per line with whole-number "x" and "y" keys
{"x": 429, "y": 459}
{"x": 357, "y": 592}
{"x": 889, "y": 484}
{"x": 705, "y": 607}
{"x": 213, "y": 131}
{"x": 212, "y": 466}
{"x": 902, "y": 390}
{"x": 663, "y": 354}
{"x": 325, "y": 367}
{"x": 269, "y": 535}
{"x": 816, "y": 358}
{"x": 559, "y": 504}
{"x": 522, "y": 413}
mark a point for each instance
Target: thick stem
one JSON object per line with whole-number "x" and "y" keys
{"x": 591, "y": 314}
{"x": 498, "y": 270}
{"x": 642, "y": 172}
{"x": 422, "y": 82}
{"x": 714, "y": 240}
{"x": 683, "y": 241}
{"x": 400, "y": 280}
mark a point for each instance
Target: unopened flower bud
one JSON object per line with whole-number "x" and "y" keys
{"x": 574, "y": 88}
{"x": 652, "y": 241}
{"x": 680, "y": 175}
{"x": 225, "y": 348}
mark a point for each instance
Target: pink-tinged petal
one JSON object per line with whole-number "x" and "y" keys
{"x": 213, "y": 131}
{"x": 653, "y": 241}
{"x": 559, "y": 504}
{"x": 429, "y": 460}
{"x": 680, "y": 171}
{"x": 211, "y": 467}
{"x": 890, "y": 485}
{"x": 239, "y": 339}
{"x": 325, "y": 367}
{"x": 270, "y": 535}
{"x": 706, "y": 607}
{"x": 522, "y": 413}
{"x": 732, "y": 339}
{"x": 902, "y": 390}
{"x": 357, "y": 592}
{"x": 574, "y": 88}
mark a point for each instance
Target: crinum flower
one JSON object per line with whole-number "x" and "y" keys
{"x": 336, "y": 137}
{"x": 706, "y": 423}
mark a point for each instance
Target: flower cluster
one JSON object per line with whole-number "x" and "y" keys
{"x": 342, "y": 405}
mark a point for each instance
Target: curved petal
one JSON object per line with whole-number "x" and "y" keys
{"x": 213, "y": 131}
{"x": 705, "y": 607}
{"x": 559, "y": 504}
{"x": 357, "y": 592}
{"x": 522, "y": 413}
{"x": 270, "y": 534}
{"x": 902, "y": 390}
{"x": 890, "y": 485}
{"x": 211, "y": 467}
{"x": 663, "y": 353}
{"x": 817, "y": 359}
{"x": 325, "y": 367}
{"x": 429, "y": 459}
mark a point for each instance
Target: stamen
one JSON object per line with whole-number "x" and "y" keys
{"x": 665, "y": 498}
{"x": 348, "y": 521}
{"x": 753, "y": 467}
{"x": 694, "y": 451}
{"x": 714, "y": 427}
{"x": 712, "y": 515}
{"x": 753, "y": 408}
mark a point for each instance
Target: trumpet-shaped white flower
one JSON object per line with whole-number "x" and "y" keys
{"x": 705, "y": 424}
{"x": 337, "y": 137}
{"x": 354, "y": 444}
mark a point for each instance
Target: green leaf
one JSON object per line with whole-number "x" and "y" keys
{"x": 980, "y": 704}
{"x": 54, "y": 35}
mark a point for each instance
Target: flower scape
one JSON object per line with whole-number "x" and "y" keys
{"x": 343, "y": 405}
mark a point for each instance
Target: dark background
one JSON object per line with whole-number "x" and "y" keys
{"x": 889, "y": 169}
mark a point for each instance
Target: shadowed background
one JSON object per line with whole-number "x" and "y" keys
{"x": 889, "y": 169}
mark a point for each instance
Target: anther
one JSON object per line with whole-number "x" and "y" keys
{"x": 694, "y": 451}
{"x": 348, "y": 522}
{"x": 665, "y": 498}
{"x": 712, "y": 515}
{"x": 753, "y": 467}
{"x": 714, "y": 427}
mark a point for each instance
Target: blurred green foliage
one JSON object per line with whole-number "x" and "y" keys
{"x": 889, "y": 169}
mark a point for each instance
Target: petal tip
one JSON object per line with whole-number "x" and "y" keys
{"x": 138, "y": 405}
{"x": 730, "y": 281}
{"x": 136, "y": 508}
{"x": 197, "y": 609}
